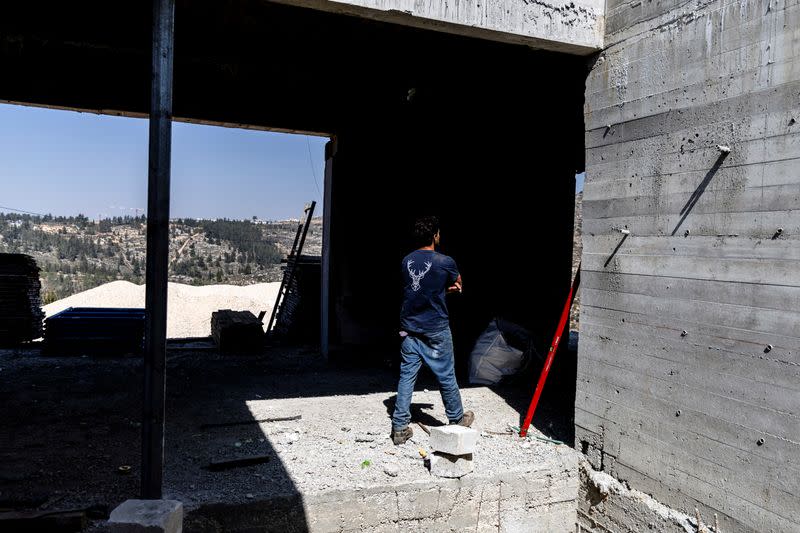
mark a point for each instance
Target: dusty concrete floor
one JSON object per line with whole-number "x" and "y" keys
{"x": 71, "y": 423}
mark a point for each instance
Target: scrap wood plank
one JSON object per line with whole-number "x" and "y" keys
{"x": 43, "y": 521}
{"x": 238, "y": 462}
{"x": 252, "y": 421}
{"x": 11, "y": 503}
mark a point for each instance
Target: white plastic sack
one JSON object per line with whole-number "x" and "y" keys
{"x": 492, "y": 358}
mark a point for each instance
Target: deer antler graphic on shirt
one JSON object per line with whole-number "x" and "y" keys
{"x": 416, "y": 277}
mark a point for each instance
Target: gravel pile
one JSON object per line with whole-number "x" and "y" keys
{"x": 189, "y": 307}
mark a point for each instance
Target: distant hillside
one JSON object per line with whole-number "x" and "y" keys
{"x": 77, "y": 254}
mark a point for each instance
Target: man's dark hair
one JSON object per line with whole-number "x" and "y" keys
{"x": 424, "y": 230}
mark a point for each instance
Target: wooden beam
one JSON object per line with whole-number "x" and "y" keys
{"x": 39, "y": 521}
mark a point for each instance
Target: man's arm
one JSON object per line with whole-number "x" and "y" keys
{"x": 454, "y": 276}
{"x": 456, "y": 286}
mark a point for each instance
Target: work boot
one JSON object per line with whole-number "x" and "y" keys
{"x": 466, "y": 420}
{"x": 400, "y": 436}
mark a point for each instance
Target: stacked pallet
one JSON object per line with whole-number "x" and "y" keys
{"x": 95, "y": 330}
{"x": 20, "y": 299}
{"x": 298, "y": 317}
{"x": 237, "y": 331}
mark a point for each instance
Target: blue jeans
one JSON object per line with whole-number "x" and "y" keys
{"x": 436, "y": 350}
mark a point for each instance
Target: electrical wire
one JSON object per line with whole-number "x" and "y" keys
{"x": 313, "y": 172}
{"x": 22, "y": 211}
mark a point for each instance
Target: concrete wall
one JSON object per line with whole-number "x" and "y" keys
{"x": 710, "y": 417}
{"x": 572, "y": 26}
{"x": 544, "y": 501}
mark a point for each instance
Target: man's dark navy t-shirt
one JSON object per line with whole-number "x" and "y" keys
{"x": 426, "y": 276}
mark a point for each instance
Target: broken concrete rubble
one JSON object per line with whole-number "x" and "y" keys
{"x": 453, "y": 446}
{"x": 147, "y": 516}
{"x": 606, "y": 502}
{"x": 451, "y": 466}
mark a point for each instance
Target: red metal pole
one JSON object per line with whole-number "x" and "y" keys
{"x": 523, "y": 430}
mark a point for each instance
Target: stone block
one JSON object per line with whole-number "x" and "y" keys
{"x": 147, "y": 516}
{"x": 453, "y": 439}
{"x": 416, "y": 505}
{"x": 452, "y": 466}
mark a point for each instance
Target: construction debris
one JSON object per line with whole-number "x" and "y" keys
{"x": 237, "y": 331}
{"x": 40, "y": 521}
{"x": 451, "y": 466}
{"x": 501, "y": 352}
{"x": 151, "y": 516}
{"x": 20, "y": 299}
{"x": 252, "y": 421}
{"x": 227, "y": 464}
{"x": 453, "y": 446}
{"x": 95, "y": 330}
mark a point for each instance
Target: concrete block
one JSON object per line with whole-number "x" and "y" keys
{"x": 417, "y": 505}
{"x": 453, "y": 466}
{"x": 489, "y": 513}
{"x": 324, "y": 517}
{"x": 376, "y": 509}
{"x": 465, "y": 512}
{"x": 453, "y": 439}
{"x": 147, "y": 516}
{"x": 448, "y": 496}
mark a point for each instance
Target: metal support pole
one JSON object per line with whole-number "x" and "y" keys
{"x": 155, "y": 349}
{"x": 327, "y": 205}
{"x": 562, "y": 323}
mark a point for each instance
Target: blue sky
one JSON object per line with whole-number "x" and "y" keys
{"x": 63, "y": 162}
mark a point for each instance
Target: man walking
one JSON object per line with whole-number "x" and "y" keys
{"x": 425, "y": 324}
